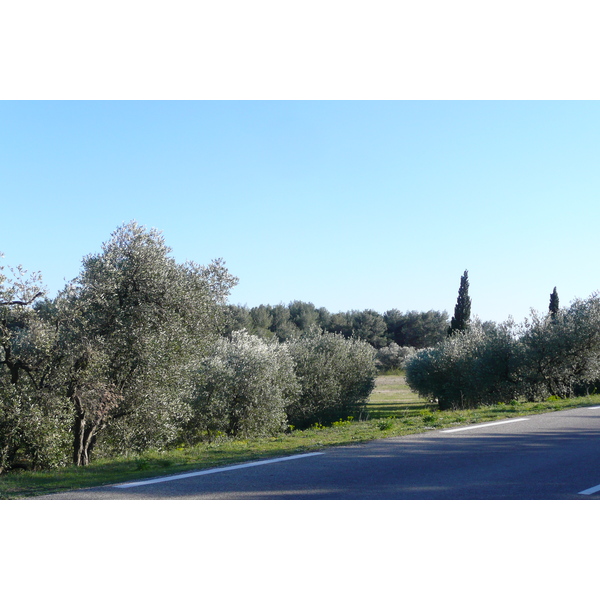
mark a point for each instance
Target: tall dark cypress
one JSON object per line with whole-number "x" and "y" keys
{"x": 554, "y": 306}
{"x": 462, "y": 310}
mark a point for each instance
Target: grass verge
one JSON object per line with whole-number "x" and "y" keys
{"x": 393, "y": 411}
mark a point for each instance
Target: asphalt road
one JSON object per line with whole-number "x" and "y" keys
{"x": 553, "y": 456}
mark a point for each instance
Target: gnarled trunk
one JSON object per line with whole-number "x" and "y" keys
{"x": 93, "y": 404}
{"x": 85, "y": 436}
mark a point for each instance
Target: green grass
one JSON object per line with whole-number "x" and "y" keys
{"x": 391, "y": 394}
{"x": 393, "y": 410}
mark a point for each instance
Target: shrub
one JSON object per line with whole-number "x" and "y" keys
{"x": 551, "y": 355}
{"x": 243, "y": 388}
{"x": 336, "y": 376}
{"x": 562, "y": 350}
{"x": 34, "y": 430}
{"x": 393, "y": 356}
{"x": 470, "y": 368}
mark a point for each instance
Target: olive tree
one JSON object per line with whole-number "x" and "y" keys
{"x": 469, "y": 368}
{"x": 562, "y": 349}
{"x": 34, "y": 421}
{"x": 133, "y": 326}
{"x": 243, "y": 388}
{"x": 553, "y": 354}
{"x": 336, "y": 376}
{"x": 393, "y": 356}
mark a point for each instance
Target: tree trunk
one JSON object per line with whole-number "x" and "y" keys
{"x": 92, "y": 406}
{"x": 84, "y": 440}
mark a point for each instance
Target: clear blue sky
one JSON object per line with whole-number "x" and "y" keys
{"x": 346, "y": 204}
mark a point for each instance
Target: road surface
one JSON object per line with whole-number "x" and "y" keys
{"x": 541, "y": 457}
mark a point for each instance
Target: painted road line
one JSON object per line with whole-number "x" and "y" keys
{"x": 484, "y": 425}
{"x": 216, "y": 470}
{"x": 593, "y": 407}
{"x": 591, "y": 491}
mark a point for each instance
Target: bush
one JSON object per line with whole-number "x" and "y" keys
{"x": 551, "y": 355}
{"x": 34, "y": 430}
{"x": 243, "y": 388}
{"x": 562, "y": 352}
{"x": 470, "y": 368}
{"x": 336, "y": 376}
{"x": 393, "y": 357}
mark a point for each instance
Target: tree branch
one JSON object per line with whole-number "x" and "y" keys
{"x": 21, "y": 302}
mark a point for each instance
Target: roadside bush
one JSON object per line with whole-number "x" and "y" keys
{"x": 470, "y": 368}
{"x": 34, "y": 429}
{"x": 562, "y": 354}
{"x": 550, "y": 355}
{"x": 336, "y": 376}
{"x": 243, "y": 388}
{"x": 34, "y": 418}
{"x": 153, "y": 426}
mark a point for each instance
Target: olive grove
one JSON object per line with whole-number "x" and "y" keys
{"x": 142, "y": 352}
{"x": 556, "y": 354}
{"x": 251, "y": 386}
{"x": 108, "y": 360}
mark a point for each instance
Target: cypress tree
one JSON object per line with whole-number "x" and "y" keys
{"x": 553, "y": 304}
{"x": 462, "y": 310}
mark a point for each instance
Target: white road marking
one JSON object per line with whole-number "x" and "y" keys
{"x": 591, "y": 490}
{"x": 216, "y": 470}
{"x": 484, "y": 425}
{"x": 593, "y": 407}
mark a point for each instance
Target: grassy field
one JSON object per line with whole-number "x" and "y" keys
{"x": 391, "y": 394}
{"x": 392, "y": 410}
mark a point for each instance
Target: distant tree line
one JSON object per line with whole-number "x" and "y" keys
{"x": 284, "y": 322}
